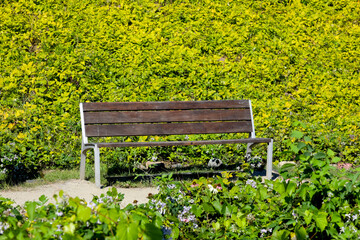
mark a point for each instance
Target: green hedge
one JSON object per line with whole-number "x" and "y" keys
{"x": 296, "y": 60}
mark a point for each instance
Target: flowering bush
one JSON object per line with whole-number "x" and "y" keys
{"x": 312, "y": 200}
{"x": 16, "y": 169}
{"x": 73, "y": 218}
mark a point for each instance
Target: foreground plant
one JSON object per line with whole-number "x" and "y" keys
{"x": 310, "y": 200}
{"x": 73, "y": 218}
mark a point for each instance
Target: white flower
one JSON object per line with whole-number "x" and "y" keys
{"x": 171, "y": 186}
{"x": 91, "y": 205}
{"x": 263, "y": 231}
{"x": 58, "y": 228}
{"x": 251, "y": 182}
{"x": 212, "y": 189}
{"x": 186, "y": 209}
{"x": 3, "y": 227}
{"x": 59, "y": 213}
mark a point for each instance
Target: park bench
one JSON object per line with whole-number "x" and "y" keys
{"x": 116, "y": 119}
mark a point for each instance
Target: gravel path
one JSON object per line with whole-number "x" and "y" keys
{"x": 74, "y": 188}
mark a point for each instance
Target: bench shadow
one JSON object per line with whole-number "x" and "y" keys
{"x": 181, "y": 173}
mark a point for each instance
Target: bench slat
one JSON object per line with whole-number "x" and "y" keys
{"x": 167, "y": 116}
{"x": 184, "y": 143}
{"x": 167, "y": 129}
{"x": 174, "y": 105}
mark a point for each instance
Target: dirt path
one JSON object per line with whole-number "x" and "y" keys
{"x": 74, "y": 188}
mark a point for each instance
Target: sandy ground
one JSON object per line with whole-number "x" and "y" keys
{"x": 74, "y": 188}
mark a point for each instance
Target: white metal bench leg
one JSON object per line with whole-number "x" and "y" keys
{"x": 82, "y": 164}
{"x": 269, "y": 160}
{"x": 248, "y": 150}
{"x": 97, "y": 166}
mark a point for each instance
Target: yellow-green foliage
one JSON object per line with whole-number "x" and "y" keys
{"x": 296, "y": 60}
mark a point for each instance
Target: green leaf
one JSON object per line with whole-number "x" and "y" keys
{"x": 301, "y": 145}
{"x": 217, "y": 205}
{"x": 127, "y": 231}
{"x": 287, "y": 167}
{"x": 216, "y": 226}
{"x": 296, "y": 134}
{"x": 335, "y": 217}
{"x": 320, "y": 155}
{"x": 175, "y": 233}
{"x": 113, "y": 215}
{"x": 61, "y": 194}
{"x": 83, "y": 213}
{"x": 295, "y": 124}
{"x": 290, "y": 189}
{"x": 280, "y": 235}
{"x": 307, "y": 139}
{"x": 321, "y": 221}
{"x": 330, "y": 153}
{"x": 88, "y": 234}
{"x": 308, "y": 216}
{"x": 318, "y": 163}
{"x": 300, "y": 233}
{"x": 294, "y": 148}
{"x": 335, "y": 160}
{"x": 43, "y": 199}
{"x": 227, "y": 223}
{"x": 70, "y": 228}
{"x": 208, "y": 207}
{"x": 152, "y": 232}
{"x": 263, "y": 192}
{"x": 303, "y": 191}
{"x": 30, "y": 209}
{"x": 279, "y": 187}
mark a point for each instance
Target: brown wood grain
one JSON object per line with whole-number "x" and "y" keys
{"x": 172, "y": 105}
{"x": 167, "y": 129}
{"x": 166, "y": 116}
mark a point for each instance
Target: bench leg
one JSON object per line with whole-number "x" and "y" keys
{"x": 82, "y": 164}
{"x": 97, "y": 166}
{"x": 269, "y": 160}
{"x": 248, "y": 151}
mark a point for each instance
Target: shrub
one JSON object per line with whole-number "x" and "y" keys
{"x": 296, "y": 60}
{"x": 312, "y": 200}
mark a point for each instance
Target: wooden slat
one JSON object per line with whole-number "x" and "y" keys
{"x": 184, "y": 143}
{"x": 174, "y": 105}
{"x": 167, "y": 129}
{"x": 166, "y": 116}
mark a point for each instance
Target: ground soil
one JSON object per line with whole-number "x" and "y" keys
{"x": 74, "y": 188}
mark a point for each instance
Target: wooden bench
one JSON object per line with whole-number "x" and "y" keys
{"x": 166, "y": 118}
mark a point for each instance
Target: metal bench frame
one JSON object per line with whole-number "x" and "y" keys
{"x": 167, "y": 118}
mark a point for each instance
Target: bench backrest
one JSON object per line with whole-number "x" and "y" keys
{"x": 104, "y": 119}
